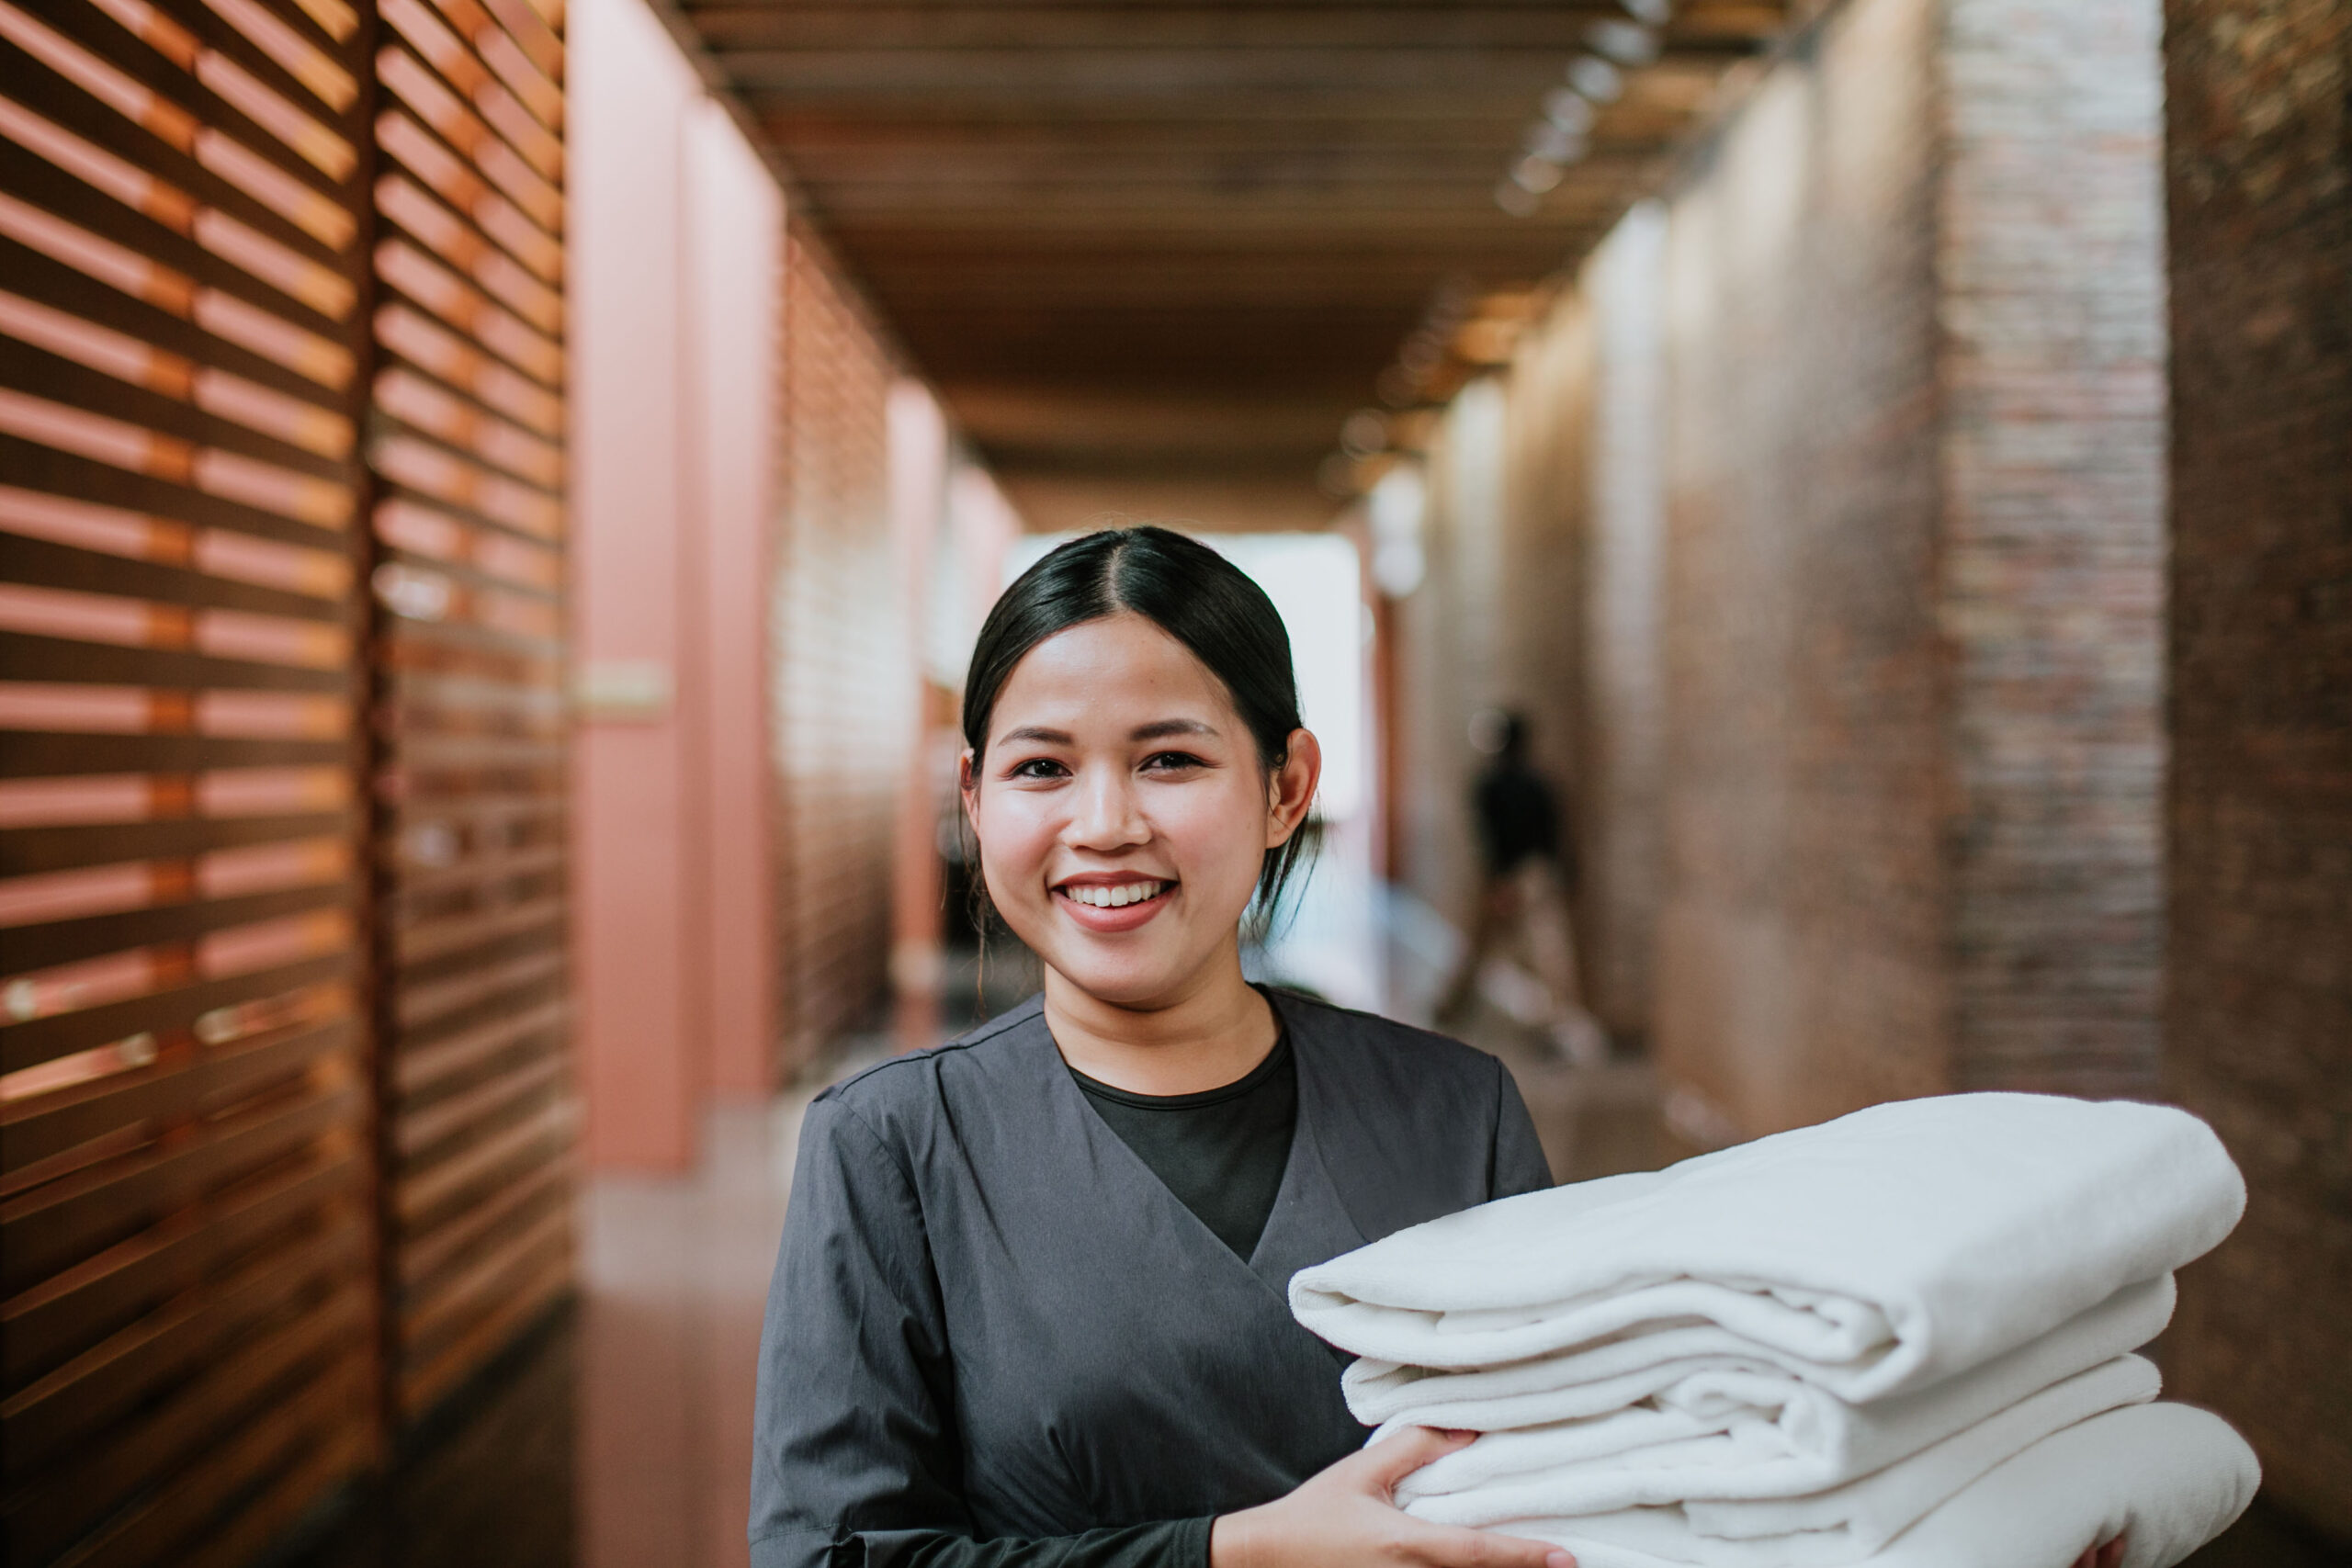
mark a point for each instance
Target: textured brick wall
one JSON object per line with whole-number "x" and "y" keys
{"x": 2260, "y": 997}
{"x": 1916, "y": 437}
{"x": 1449, "y": 664}
{"x": 2051, "y": 551}
{"x": 1801, "y": 967}
{"x": 1541, "y": 610}
{"x": 1624, "y": 732}
{"x": 843, "y": 691}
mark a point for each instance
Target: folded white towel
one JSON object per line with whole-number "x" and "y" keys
{"x": 1819, "y": 1530}
{"x": 1733, "y": 1428}
{"x": 1883, "y": 1251}
{"x": 2168, "y": 1477}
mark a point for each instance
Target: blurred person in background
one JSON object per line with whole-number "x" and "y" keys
{"x": 1521, "y": 951}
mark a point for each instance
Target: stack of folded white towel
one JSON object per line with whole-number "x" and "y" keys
{"x": 1903, "y": 1337}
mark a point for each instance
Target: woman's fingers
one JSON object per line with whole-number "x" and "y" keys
{"x": 1442, "y": 1547}
{"x": 2108, "y": 1554}
{"x": 1391, "y": 1460}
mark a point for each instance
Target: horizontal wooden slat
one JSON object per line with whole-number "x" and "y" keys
{"x": 39, "y": 754}
{"x": 49, "y": 469}
{"x": 61, "y": 380}
{"x": 282, "y": 1436}
{"x": 67, "y": 942}
{"x": 124, "y": 1370}
{"x": 40, "y": 1039}
{"x": 24, "y": 851}
{"x": 179, "y": 316}
{"x": 448, "y": 1300}
{"x": 424, "y": 1256}
{"x": 84, "y": 117}
{"x": 417, "y": 1006}
{"x": 41, "y": 1327}
{"x": 420, "y": 942}
{"x": 63, "y": 566}
{"x": 425, "y": 1381}
{"x": 38, "y": 1128}
{"x": 482, "y": 872}
{"x": 69, "y": 1219}
{"x": 521, "y": 1145}
{"x": 351, "y": 1448}
{"x": 60, "y": 1506}
{"x": 418, "y": 1069}
{"x": 24, "y": 656}
{"x": 481, "y": 1108}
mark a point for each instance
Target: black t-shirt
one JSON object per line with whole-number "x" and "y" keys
{"x": 1222, "y": 1151}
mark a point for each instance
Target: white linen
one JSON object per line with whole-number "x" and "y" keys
{"x": 1883, "y": 1251}
{"x": 1818, "y": 1529}
{"x": 2168, "y": 1477}
{"x": 1735, "y": 1428}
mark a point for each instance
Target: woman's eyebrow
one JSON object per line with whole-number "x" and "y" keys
{"x": 1037, "y": 733}
{"x": 1168, "y": 727}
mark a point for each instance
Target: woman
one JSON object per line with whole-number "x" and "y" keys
{"x": 1029, "y": 1306}
{"x": 1028, "y": 1311}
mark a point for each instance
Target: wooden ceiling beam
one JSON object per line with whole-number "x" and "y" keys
{"x": 1184, "y": 81}
{"x": 1050, "y": 169}
{"x": 1559, "y": 27}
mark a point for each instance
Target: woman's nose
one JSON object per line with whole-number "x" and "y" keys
{"x": 1107, "y": 814}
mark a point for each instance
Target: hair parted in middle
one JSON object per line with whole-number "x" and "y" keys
{"x": 1194, "y": 594}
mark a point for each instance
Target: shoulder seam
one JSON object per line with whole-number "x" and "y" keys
{"x": 979, "y": 1036}
{"x": 1401, "y": 1027}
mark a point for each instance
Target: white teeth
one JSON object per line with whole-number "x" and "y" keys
{"x": 1115, "y": 898}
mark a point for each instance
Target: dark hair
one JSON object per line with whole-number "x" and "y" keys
{"x": 1190, "y": 593}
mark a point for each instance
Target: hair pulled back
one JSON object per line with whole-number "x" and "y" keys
{"x": 1188, "y": 591}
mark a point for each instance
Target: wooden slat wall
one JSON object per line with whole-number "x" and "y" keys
{"x": 478, "y": 1111}
{"x": 186, "y": 1302}
{"x": 839, "y": 680}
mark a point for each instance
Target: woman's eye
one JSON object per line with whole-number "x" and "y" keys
{"x": 1167, "y": 761}
{"x": 1038, "y": 768}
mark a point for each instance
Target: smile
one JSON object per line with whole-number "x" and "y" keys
{"x": 1115, "y": 897}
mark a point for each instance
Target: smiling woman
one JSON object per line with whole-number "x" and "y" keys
{"x": 1029, "y": 1307}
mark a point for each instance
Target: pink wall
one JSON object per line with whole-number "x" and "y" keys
{"x": 674, "y": 232}
{"x": 735, "y": 228}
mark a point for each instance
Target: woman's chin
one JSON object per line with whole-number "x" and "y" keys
{"x": 1122, "y": 974}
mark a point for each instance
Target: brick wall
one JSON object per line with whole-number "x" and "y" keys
{"x": 2259, "y": 1000}
{"x": 2051, "y": 551}
{"x": 841, "y": 683}
{"x": 1449, "y": 663}
{"x": 1622, "y": 738}
{"x": 1801, "y": 960}
{"x": 1916, "y": 342}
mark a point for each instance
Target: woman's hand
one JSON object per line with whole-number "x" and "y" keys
{"x": 1344, "y": 1519}
{"x": 2107, "y": 1556}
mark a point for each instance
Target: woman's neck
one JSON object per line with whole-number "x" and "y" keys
{"x": 1213, "y": 1032}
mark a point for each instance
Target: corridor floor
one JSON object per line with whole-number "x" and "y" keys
{"x": 618, "y": 1435}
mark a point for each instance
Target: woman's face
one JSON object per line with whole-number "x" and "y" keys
{"x": 1122, "y": 810}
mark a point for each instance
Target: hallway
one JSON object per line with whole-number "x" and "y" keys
{"x": 498, "y": 499}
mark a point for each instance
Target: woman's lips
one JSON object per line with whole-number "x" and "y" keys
{"x": 1121, "y": 918}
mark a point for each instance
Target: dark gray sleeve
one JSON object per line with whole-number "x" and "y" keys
{"x": 855, "y": 1461}
{"x": 1178, "y": 1543}
{"x": 1519, "y": 1165}
{"x": 854, "y": 1426}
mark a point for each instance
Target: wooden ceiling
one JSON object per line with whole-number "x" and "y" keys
{"x": 1154, "y": 254}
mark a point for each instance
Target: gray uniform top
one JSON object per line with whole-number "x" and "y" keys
{"x": 989, "y": 1319}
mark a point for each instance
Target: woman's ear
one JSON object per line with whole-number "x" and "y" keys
{"x": 1290, "y": 788}
{"x": 968, "y": 790}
